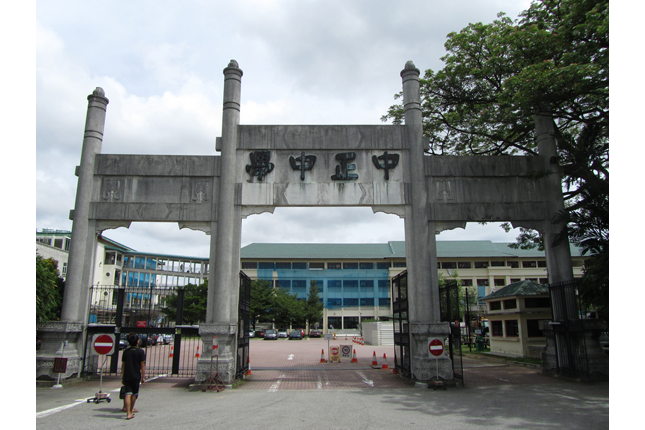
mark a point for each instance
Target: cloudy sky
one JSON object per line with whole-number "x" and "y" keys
{"x": 160, "y": 64}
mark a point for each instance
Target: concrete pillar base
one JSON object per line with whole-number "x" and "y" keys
{"x": 224, "y": 363}
{"x": 583, "y": 343}
{"x": 425, "y": 367}
{"x": 53, "y": 334}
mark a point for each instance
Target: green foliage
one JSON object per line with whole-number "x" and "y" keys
{"x": 261, "y": 300}
{"x": 463, "y": 303}
{"x": 49, "y": 290}
{"x": 286, "y": 309}
{"x": 554, "y": 58}
{"x": 496, "y": 75}
{"x": 194, "y": 310}
{"x": 313, "y": 311}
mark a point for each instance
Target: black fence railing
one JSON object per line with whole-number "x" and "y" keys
{"x": 401, "y": 324}
{"x": 568, "y": 325}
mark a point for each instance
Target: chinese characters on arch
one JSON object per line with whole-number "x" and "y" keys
{"x": 261, "y": 164}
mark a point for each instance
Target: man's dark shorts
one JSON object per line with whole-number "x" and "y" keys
{"x": 131, "y": 387}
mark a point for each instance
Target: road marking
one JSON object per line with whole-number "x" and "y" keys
{"x": 273, "y": 388}
{"x": 60, "y": 408}
{"x": 290, "y": 357}
{"x": 367, "y": 381}
{"x": 319, "y": 384}
{"x": 48, "y": 412}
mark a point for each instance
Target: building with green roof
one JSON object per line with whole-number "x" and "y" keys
{"x": 354, "y": 279}
{"x": 514, "y": 313}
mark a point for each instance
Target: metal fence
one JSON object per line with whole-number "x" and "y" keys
{"x": 569, "y": 329}
{"x": 117, "y": 310}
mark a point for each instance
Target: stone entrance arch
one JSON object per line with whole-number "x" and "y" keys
{"x": 267, "y": 166}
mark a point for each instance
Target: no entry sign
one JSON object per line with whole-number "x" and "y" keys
{"x": 435, "y": 346}
{"x": 103, "y": 344}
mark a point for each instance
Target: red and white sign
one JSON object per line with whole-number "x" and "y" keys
{"x": 436, "y": 347}
{"x": 103, "y": 344}
{"x": 141, "y": 324}
{"x": 60, "y": 365}
{"x": 346, "y": 351}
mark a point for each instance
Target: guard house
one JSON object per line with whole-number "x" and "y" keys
{"x": 514, "y": 313}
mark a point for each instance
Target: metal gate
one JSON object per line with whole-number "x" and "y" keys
{"x": 569, "y": 329}
{"x": 172, "y": 349}
{"x": 401, "y": 325}
{"x": 243, "y": 326}
{"x": 450, "y": 312}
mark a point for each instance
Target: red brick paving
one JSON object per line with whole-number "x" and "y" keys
{"x": 295, "y": 365}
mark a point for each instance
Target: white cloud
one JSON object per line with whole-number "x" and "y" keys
{"x": 314, "y": 62}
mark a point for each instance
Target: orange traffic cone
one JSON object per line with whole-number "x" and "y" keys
{"x": 354, "y": 360}
{"x": 384, "y": 362}
{"x": 171, "y": 352}
{"x": 374, "y": 362}
{"x": 322, "y": 356}
{"x": 248, "y": 372}
{"x": 197, "y": 355}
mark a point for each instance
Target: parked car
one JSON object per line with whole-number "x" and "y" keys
{"x": 251, "y": 333}
{"x": 167, "y": 339}
{"x": 270, "y": 334}
{"x": 295, "y": 334}
{"x": 283, "y": 334}
{"x": 315, "y": 333}
{"x": 123, "y": 341}
{"x": 259, "y": 333}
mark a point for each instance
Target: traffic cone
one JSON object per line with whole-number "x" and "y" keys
{"x": 354, "y": 360}
{"x": 345, "y": 337}
{"x": 248, "y": 372}
{"x": 171, "y": 352}
{"x": 384, "y": 362}
{"x": 322, "y": 356}
{"x": 197, "y": 355}
{"x": 374, "y": 362}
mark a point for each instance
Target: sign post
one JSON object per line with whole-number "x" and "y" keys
{"x": 436, "y": 348}
{"x": 60, "y": 363}
{"x": 102, "y": 344}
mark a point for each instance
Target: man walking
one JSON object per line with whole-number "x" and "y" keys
{"x": 133, "y": 372}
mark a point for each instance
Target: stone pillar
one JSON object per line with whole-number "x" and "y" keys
{"x": 559, "y": 257}
{"x": 570, "y": 340}
{"x": 81, "y": 255}
{"x": 420, "y": 246}
{"x": 223, "y": 277}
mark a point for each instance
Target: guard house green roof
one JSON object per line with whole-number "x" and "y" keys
{"x": 521, "y": 288}
{"x": 392, "y": 249}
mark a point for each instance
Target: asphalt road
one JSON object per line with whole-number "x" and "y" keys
{"x": 288, "y": 392}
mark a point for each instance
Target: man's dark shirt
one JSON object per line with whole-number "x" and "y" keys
{"x": 132, "y": 359}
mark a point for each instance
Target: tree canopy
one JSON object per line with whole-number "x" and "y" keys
{"x": 261, "y": 300}
{"x": 553, "y": 58}
{"x": 194, "y": 310}
{"x": 49, "y": 290}
{"x": 313, "y": 306}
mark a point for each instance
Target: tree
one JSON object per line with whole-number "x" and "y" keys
{"x": 463, "y": 303}
{"x": 313, "y": 306}
{"x": 261, "y": 298}
{"x": 49, "y": 290}
{"x": 286, "y": 309}
{"x": 194, "y": 310}
{"x": 555, "y": 58}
